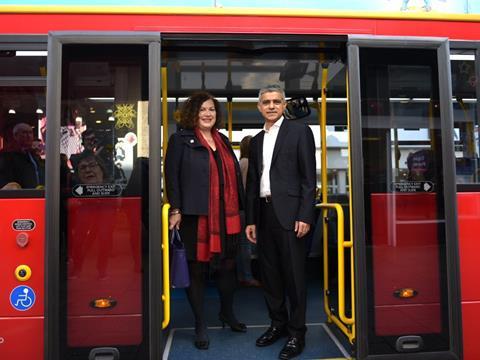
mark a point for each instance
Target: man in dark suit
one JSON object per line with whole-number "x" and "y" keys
{"x": 281, "y": 185}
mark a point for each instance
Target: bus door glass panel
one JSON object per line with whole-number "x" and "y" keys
{"x": 104, "y": 164}
{"x": 404, "y": 211}
{"x": 464, "y": 83}
{"x": 22, "y": 204}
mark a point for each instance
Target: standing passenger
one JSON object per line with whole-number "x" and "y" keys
{"x": 280, "y": 209}
{"x": 244, "y": 258}
{"x": 204, "y": 188}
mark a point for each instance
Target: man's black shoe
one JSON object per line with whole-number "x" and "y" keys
{"x": 292, "y": 348}
{"x": 270, "y": 336}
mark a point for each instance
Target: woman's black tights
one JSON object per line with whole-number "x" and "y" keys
{"x": 226, "y": 283}
{"x": 226, "y": 280}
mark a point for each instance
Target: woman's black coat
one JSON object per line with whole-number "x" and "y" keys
{"x": 187, "y": 173}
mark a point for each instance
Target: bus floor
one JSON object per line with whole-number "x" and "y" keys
{"x": 250, "y": 308}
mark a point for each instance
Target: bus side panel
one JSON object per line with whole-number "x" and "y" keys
{"x": 22, "y": 219}
{"x": 405, "y": 256}
{"x": 21, "y": 338}
{"x": 104, "y": 262}
{"x": 469, "y": 227}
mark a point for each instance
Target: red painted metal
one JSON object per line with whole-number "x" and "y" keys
{"x": 405, "y": 255}
{"x": 470, "y": 321}
{"x": 104, "y": 261}
{"x": 21, "y": 338}
{"x": 468, "y": 225}
{"x": 21, "y": 332}
{"x": 43, "y": 23}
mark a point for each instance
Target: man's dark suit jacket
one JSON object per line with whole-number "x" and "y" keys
{"x": 292, "y": 175}
{"x": 17, "y": 167}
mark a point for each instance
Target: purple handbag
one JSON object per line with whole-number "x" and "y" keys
{"x": 179, "y": 277}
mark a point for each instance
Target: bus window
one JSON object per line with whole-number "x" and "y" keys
{"x": 22, "y": 119}
{"x": 466, "y": 128}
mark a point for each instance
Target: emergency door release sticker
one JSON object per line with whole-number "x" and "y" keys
{"x": 23, "y": 224}
{"x": 22, "y": 298}
{"x": 96, "y": 190}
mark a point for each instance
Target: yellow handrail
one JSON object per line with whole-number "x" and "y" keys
{"x": 166, "y": 266}
{"x": 342, "y": 245}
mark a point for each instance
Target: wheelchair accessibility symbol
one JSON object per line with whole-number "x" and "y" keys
{"x": 22, "y": 298}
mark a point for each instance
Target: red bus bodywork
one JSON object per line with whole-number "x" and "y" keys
{"x": 21, "y": 332}
{"x": 41, "y": 22}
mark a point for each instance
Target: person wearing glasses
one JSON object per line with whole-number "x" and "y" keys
{"x": 89, "y": 169}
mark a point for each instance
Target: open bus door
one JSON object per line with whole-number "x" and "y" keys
{"x": 404, "y": 201}
{"x": 103, "y": 195}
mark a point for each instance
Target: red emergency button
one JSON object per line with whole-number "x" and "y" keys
{"x": 22, "y": 239}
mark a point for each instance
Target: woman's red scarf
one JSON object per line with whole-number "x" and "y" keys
{"x": 208, "y": 233}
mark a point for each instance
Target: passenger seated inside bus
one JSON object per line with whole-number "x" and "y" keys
{"x": 20, "y": 165}
{"x": 90, "y": 169}
{"x": 103, "y": 150}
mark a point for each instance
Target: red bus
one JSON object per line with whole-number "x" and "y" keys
{"x": 391, "y": 97}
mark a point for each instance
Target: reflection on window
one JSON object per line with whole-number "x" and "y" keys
{"x": 104, "y": 129}
{"x": 466, "y": 129}
{"x": 22, "y": 119}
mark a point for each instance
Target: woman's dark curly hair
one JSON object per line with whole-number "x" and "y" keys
{"x": 191, "y": 109}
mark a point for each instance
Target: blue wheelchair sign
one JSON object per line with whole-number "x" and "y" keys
{"x": 22, "y": 298}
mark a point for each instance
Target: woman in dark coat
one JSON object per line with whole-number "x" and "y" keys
{"x": 204, "y": 188}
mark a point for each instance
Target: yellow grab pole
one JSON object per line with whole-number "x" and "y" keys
{"x": 166, "y": 267}
{"x": 324, "y": 179}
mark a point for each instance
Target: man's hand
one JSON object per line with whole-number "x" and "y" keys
{"x": 251, "y": 232}
{"x": 301, "y": 228}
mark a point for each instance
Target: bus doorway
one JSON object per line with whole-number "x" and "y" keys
{"x": 234, "y": 68}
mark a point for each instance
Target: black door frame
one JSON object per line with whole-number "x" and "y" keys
{"x": 441, "y": 45}
{"x": 52, "y": 182}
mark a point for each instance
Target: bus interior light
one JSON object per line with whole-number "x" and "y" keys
{"x": 464, "y": 57}
{"x": 31, "y": 53}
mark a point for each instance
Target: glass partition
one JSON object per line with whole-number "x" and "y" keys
{"x": 104, "y": 185}
{"x": 407, "y": 296}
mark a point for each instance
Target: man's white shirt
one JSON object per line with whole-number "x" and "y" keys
{"x": 269, "y": 139}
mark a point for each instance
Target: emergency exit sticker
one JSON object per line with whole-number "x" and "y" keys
{"x": 96, "y": 190}
{"x": 22, "y": 298}
{"x": 23, "y": 224}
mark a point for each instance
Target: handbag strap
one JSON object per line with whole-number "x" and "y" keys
{"x": 175, "y": 239}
